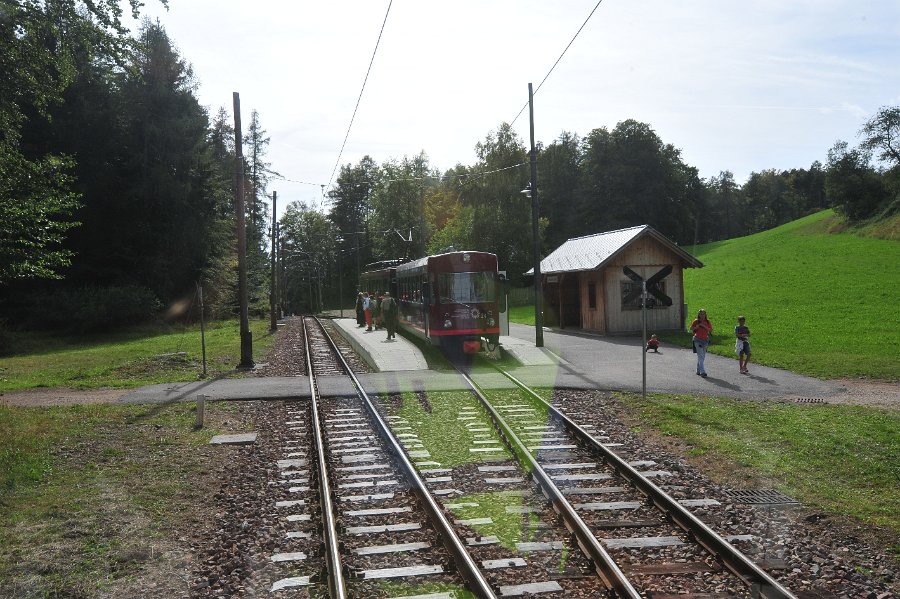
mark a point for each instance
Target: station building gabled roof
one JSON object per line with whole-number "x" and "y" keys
{"x": 594, "y": 251}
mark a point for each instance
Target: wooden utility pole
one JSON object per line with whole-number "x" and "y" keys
{"x": 273, "y": 324}
{"x": 535, "y": 234}
{"x": 246, "y": 335}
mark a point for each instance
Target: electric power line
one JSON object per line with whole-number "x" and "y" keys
{"x": 439, "y": 178}
{"x": 281, "y": 178}
{"x": 558, "y": 59}
{"x": 359, "y": 99}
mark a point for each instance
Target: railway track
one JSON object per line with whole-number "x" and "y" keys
{"x": 524, "y": 502}
{"x": 616, "y": 511}
{"x": 393, "y": 524}
{"x": 478, "y": 461}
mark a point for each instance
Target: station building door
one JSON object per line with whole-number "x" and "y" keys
{"x": 570, "y": 301}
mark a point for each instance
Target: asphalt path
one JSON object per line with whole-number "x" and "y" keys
{"x": 614, "y": 363}
{"x": 576, "y": 360}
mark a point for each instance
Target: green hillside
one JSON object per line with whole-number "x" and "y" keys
{"x": 819, "y": 303}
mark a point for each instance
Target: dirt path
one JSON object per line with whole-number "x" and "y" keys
{"x": 44, "y": 397}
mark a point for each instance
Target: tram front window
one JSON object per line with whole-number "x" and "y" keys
{"x": 467, "y": 287}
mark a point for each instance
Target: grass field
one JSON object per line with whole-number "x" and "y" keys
{"x": 91, "y": 495}
{"x": 839, "y": 458}
{"x": 818, "y": 303}
{"x": 141, "y": 356}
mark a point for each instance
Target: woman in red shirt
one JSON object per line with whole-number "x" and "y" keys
{"x": 701, "y": 327}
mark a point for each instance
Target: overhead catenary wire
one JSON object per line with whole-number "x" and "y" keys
{"x": 282, "y": 178}
{"x": 557, "y": 60}
{"x": 359, "y": 99}
{"x": 460, "y": 177}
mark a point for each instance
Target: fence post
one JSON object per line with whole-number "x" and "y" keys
{"x": 201, "y": 409}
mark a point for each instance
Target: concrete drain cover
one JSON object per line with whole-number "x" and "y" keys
{"x": 241, "y": 439}
{"x": 760, "y": 497}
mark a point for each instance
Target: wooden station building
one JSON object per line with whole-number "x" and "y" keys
{"x": 584, "y": 284}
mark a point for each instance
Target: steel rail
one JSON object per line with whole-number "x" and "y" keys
{"x": 337, "y": 586}
{"x": 469, "y": 570}
{"x": 609, "y": 572}
{"x": 732, "y": 558}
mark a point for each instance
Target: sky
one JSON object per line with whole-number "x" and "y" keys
{"x": 737, "y": 86}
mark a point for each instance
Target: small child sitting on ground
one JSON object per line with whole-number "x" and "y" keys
{"x": 653, "y": 343}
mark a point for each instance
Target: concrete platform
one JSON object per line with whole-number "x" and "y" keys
{"x": 526, "y": 354}
{"x": 401, "y": 354}
{"x": 383, "y": 355}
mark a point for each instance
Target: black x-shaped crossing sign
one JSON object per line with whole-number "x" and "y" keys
{"x": 652, "y": 285}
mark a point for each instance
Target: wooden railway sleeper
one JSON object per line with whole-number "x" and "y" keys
{"x": 606, "y": 568}
{"x": 733, "y": 559}
{"x": 464, "y": 563}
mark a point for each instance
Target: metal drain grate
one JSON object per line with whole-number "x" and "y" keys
{"x": 760, "y": 497}
{"x": 809, "y": 400}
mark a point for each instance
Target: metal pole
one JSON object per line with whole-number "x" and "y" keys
{"x": 535, "y": 233}
{"x": 202, "y": 328}
{"x": 246, "y": 336}
{"x": 281, "y": 276}
{"x": 644, "y": 337}
{"x": 273, "y": 323}
{"x": 340, "y": 283}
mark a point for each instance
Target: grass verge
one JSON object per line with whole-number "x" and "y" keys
{"x": 90, "y": 495}
{"x": 142, "y": 356}
{"x": 522, "y": 314}
{"x": 839, "y": 458}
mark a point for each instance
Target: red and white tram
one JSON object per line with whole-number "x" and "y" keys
{"x": 450, "y": 299}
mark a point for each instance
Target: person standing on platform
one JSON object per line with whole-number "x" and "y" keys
{"x": 368, "y": 305}
{"x": 389, "y": 314}
{"x": 360, "y": 315}
{"x": 701, "y": 327}
{"x": 376, "y": 314}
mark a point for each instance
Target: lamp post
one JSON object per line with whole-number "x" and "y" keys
{"x": 535, "y": 232}
{"x": 340, "y": 274}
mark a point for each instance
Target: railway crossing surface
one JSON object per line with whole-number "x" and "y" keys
{"x": 568, "y": 360}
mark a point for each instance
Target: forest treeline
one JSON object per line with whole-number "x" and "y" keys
{"x": 117, "y": 187}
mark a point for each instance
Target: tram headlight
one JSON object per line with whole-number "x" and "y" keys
{"x": 448, "y": 324}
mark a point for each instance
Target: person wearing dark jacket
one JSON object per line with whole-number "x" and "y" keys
{"x": 389, "y": 315}
{"x": 360, "y": 315}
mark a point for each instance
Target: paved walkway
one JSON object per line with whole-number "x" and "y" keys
{"x": 569, "y": 359}
{"x": 614, "y": 363}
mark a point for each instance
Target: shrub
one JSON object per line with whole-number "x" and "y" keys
{"x": 89, "y": 309}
